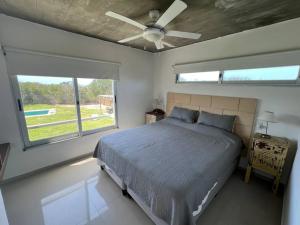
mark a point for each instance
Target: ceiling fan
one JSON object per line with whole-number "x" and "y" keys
{"x": 154, "y": 31}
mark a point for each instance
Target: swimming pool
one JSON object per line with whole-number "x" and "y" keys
{"x": 40, "y": 112}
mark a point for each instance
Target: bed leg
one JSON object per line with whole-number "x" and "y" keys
{"x": 126, "y": 194}
{"x": 102, "y": 167}
{"x": 129, "y": 196}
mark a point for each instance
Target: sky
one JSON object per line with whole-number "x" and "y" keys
{"x": 52, "y": 80}
{"x": 274, "y": 73}
{"x": 202, "y": 76}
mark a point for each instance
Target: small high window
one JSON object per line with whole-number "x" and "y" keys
{"x": 283, "y": 75}
{"x": 212, "y": 76}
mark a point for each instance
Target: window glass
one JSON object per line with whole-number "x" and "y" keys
{"x": 283, "y": 73}
{"x": 48, "y": 106}
{"x": 96, "y": 103}
{"x": 212, "y": 76}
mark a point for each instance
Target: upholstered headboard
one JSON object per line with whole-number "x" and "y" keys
{"x": 243, "y": 108}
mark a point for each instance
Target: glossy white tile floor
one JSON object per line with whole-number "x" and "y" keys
{"x": 81, "y": 194}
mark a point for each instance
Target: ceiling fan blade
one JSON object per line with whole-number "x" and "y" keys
{"x": 181, "y": 34}
{"x": 131, "y": 38}
{"x": 168, "y": 44}
{"x": 174, "y": 10}
{"x": 125, "y": 19}
{"x": 159, "y": 45}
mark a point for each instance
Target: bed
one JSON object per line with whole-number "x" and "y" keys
{"x": 173, "y": 169}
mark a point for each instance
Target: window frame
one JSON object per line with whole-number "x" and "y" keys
{"x": 22, "y": 121}
{"x": 221, "y": 81}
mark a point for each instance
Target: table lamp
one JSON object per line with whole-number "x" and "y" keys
{"x": 268, "y": 117}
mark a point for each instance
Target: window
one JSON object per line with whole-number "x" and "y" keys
{"x": 57, "y": 108}
{"x": 96, "y": 103}
{"x": 212, "y": 76}
{"x": 283, "y": 75}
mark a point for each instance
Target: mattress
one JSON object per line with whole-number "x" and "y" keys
{"x": 170, "y": 165}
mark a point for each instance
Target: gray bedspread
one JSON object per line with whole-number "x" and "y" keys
{"x": 170, "y": 165}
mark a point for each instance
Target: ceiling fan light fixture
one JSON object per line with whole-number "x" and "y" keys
{"x": 155, "y": 30}
{"x": 153, "y": 34}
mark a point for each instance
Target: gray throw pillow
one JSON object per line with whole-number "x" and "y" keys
{"x": 186, "y": 115}
{"x": 224, "y": 122}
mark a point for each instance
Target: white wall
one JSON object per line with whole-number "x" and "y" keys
{"x": 291, "y": 203}
{"x": 134, "y": 90}
{"x": 284, "y": 101}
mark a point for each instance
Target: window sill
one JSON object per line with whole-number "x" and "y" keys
{"x": 101, "y": 131}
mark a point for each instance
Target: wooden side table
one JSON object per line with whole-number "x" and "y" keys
{"x": 267, "y": 155}
{"x": 152, "y": 117}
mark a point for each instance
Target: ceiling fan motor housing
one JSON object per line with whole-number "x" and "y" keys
{"x": 154, "y": 14}
{"x": 153, "y": 34}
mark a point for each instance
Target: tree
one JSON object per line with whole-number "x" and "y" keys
{"x": 63, "y": 93}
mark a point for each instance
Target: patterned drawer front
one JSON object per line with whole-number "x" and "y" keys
{"x": 268, "y": 162}
{"x": 150, "y": 118}
{"x": 271, "y": 143}
{"x": 271, "y": 148}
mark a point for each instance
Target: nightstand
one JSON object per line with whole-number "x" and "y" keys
{"x": 267, "y": 154}
{"x": 4, "y": 150}
{"x": 153, "y": 116}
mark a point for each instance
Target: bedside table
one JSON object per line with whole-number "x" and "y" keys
{"x": 152, "y": 117}
{"x": 267, "y": 155}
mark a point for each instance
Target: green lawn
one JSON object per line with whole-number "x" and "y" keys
{"x": 63, "y": 113}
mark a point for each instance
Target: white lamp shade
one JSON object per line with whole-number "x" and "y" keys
{"x": 268, "y": 116}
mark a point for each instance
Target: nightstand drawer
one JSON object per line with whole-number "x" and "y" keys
{"x": 150, "y": 118}
{"x": 266, "y": 162}
{"x": 271, "y": 148}
{"x": 153, "y": 116}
